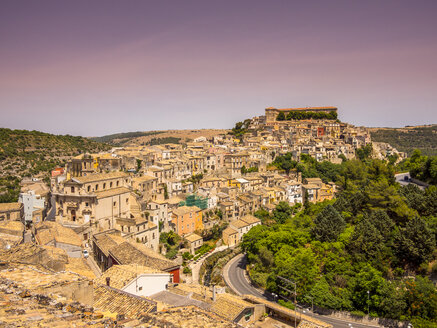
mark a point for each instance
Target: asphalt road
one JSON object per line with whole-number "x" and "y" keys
{"x": 400, "y": 178}
{"x": 235, "y": 277}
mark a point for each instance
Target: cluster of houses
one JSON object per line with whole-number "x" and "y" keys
{"x": 116, "y": 204}
{"x": 142, "y": 191}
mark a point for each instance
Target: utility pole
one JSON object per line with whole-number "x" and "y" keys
{"x": 295, "y": 292}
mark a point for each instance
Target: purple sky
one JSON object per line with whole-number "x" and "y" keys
{"x": 99, "y": 67}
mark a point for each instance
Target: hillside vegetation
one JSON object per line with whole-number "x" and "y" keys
{"x": 375, "y": 236}
{"x": 407, "y": 139}
{"x": 157, "y": 137}
{"x": 423, "y": 168}
{"x": 32, "y": 153}
{"x": 120, "y": 138}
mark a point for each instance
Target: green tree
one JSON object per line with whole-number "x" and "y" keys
{"x": 282, "y": 212}
{"x": 393, "y": 304}
{"x": 367, "y": 242}
{"x": 415, "y": 243}
{"x": 280, "y": 117}
{"x": 322, "y": 295}
{"x": 243, "y": 169}
{"x": 298, "y": 265}
{"x": 328, "y": 224}
{"x": 364, "y": 152}
{"x": 368, "y": 280}
{"x": 421, "y": 298}
{"x": 382, "y": 222}
{"x": 263, "y": 215}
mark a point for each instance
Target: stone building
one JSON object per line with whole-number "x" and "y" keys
{"x": 93, "y": 199}
{"x": 187, "y": 219}
{"x": 11, "y": 211}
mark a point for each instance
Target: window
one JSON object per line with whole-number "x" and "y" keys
{"x": 97, "y": 187}
{"x": 127, "y": 200}
{"x": 87, "y": 204}
{"x": 104, "y": 186}
{"x": 153, "y": 235}
{"x": 140, "y": 288}
{"x": 72, "y": 189}
{"x": 115, "y": 203}
{"x": 89, "y": 188}
{"x": 117, "y": 183}
{"x": 110, "y": 184}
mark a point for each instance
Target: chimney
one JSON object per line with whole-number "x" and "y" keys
{"x": 108, "y": 279}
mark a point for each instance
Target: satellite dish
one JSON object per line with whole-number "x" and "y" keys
{"x": 8, "y": 247}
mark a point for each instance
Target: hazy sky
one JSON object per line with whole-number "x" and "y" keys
{"x": 99, "y": 67}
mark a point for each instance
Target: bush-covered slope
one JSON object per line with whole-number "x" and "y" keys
{"x": 119, "y": 138}
{"x": 32, "y": 153}
{"x": 376, "y": 237}
{"x": 407, "y": 139}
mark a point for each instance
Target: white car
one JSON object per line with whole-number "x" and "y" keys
{"x": 85, "y": 253}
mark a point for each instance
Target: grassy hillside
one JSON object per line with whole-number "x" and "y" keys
{"x": 157, "y": 137}
{"x": 32, "y": 153}
{"x": 407, "y": 139}
{"x": 121, "y": 138}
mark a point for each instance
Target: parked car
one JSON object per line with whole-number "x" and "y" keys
{"x": 85, "y": 253}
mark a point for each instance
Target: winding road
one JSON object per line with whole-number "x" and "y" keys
{"x": 234, "y": 274}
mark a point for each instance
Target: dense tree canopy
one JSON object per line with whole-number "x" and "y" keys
{"x": 375, "y": 236}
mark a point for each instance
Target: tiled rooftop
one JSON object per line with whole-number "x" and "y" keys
{"x": 229, "y": 306}
{"x": 250, "y": 219}
{"x": 135, "y": 253}
{"x": 112, "y": 192}
{"x": 186, "y": 317}
{"x": 185, "y": 209}
{"x": 48, "y": 231}
{"x": 193, "y": 237}
{"x": 112, "y": 300}
{"x": 100, "y": 177}
{"x": 106, "y": 241}
{"x": 121, "y": 275}
{"x": 5, "y": 207}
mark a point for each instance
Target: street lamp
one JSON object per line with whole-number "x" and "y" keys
{"x": 368, "y": 302}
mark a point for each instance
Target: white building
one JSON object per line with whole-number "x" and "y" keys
{"x": 135, "y": 279}
{"x": 294, "y": 192}
{"x": 31, "y": 203}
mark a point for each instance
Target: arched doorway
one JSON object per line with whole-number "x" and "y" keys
{"x": 73, "y": 215}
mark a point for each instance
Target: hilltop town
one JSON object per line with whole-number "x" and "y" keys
{"x": 120, "y": 236}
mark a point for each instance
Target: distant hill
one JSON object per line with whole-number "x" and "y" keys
{"x": 156, "y": 137}
{"x": 32, "y": 153}
{"x": 120, "y": 138}
{"x": 407, "y": 139}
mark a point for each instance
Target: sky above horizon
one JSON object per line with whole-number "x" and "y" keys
{"x": 97, "y": 67}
